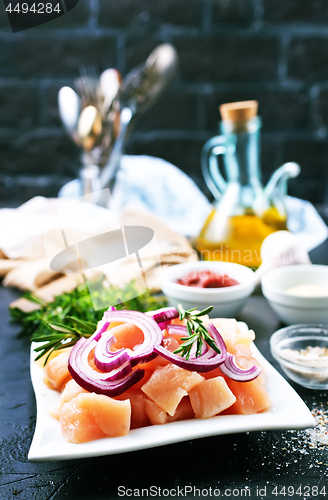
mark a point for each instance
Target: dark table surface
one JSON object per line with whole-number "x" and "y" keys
{"x": 259, "y": 461}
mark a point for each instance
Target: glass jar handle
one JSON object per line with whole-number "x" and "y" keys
{"x": 210, "y": 165}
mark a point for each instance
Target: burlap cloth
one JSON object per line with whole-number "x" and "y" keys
{"x": 33, "y": 233}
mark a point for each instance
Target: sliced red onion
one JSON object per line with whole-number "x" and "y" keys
{"x": 164, "y": 315}
{"x": 79, "y": 357}
{"x": 233, "y": 371}
{"x": 152, "y": 333}
{"x": 103, "y": 325}
{"x": 177, "y": 330}
{"x": 201, "y": 364}
{"x": 100, "y": 383}
{"x": 111, "y": 384}
{"x": 107, "y": 360}
{"x": 119, "y": 375}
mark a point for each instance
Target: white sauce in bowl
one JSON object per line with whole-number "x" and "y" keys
{"x": 308, "y": 290}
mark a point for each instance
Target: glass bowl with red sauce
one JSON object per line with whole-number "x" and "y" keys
{"x": 224, "y": 285}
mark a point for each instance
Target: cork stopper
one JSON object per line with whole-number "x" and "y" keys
{"x": 239, "y": 111}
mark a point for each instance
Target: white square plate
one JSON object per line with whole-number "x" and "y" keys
{"x": 288, "y": 411}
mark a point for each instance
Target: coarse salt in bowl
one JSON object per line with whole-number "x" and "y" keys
{"x": 227, "y": 301}
{"x": 302, "y": 351}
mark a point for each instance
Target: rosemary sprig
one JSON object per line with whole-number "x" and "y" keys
{"x": 61, "y": 337}
{"x": 71, "y": 315}
{"x": 196, "y": 331}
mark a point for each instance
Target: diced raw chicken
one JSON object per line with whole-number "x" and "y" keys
{"x": 91, "y": 416}
{"x": 168, "y": 385}
{"x": 138, "y": 400}
{"x": 56, "y": 371}
{"x": 171, "y": 344}
{"x": 72, "y": 389}
{"x": 211, "y": 397}
{"x": 230, "y": 332}
{"x": 157, "y": 416}
{"x": 184, "y": 411}
{"x": 251, "y": 397}
{"x": 127, "y": 335}
{"x": 54, "y": 354}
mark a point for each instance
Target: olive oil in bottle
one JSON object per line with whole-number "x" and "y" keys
{"x": 244, "y": 236}
{"x": 244, "y": 212}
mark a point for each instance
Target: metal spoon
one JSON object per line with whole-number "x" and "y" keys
{"x": 138, "y": 91}
{"x": 109, "y": 81}
{"x": 89, "y": 131}
{"x": 143, "y": 85}
{"x": 69, "y": 111}
{"x": 89, "y": 127}
{"x": 161, "y": 68}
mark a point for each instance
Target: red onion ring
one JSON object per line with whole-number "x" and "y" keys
{"x": 112, "y": 384}
{"x": 233, "y": 371}
{"x": 152, "y": 333}
{"x": 177, "y": 330}
{"x": 107, "y": 360}
{"x": 164, "y": 315}
{"x": 122, "y": 377}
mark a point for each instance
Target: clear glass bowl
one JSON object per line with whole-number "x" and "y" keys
{"x": 309, "y": 367}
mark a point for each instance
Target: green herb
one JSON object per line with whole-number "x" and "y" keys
{"x": 196, "y": 331}
{"x": 71, "y": 315}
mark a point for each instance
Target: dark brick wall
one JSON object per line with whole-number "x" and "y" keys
{"x": 275, "y": 51}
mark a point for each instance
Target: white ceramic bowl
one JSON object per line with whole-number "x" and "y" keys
{"x": 292, "y": 308}
{"x": 227, "y": 301}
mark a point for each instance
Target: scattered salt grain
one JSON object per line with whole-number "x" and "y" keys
{"x": 293, "y": 445}
{"x": 310, "y": 440}
{"x": 318, "y": 435}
